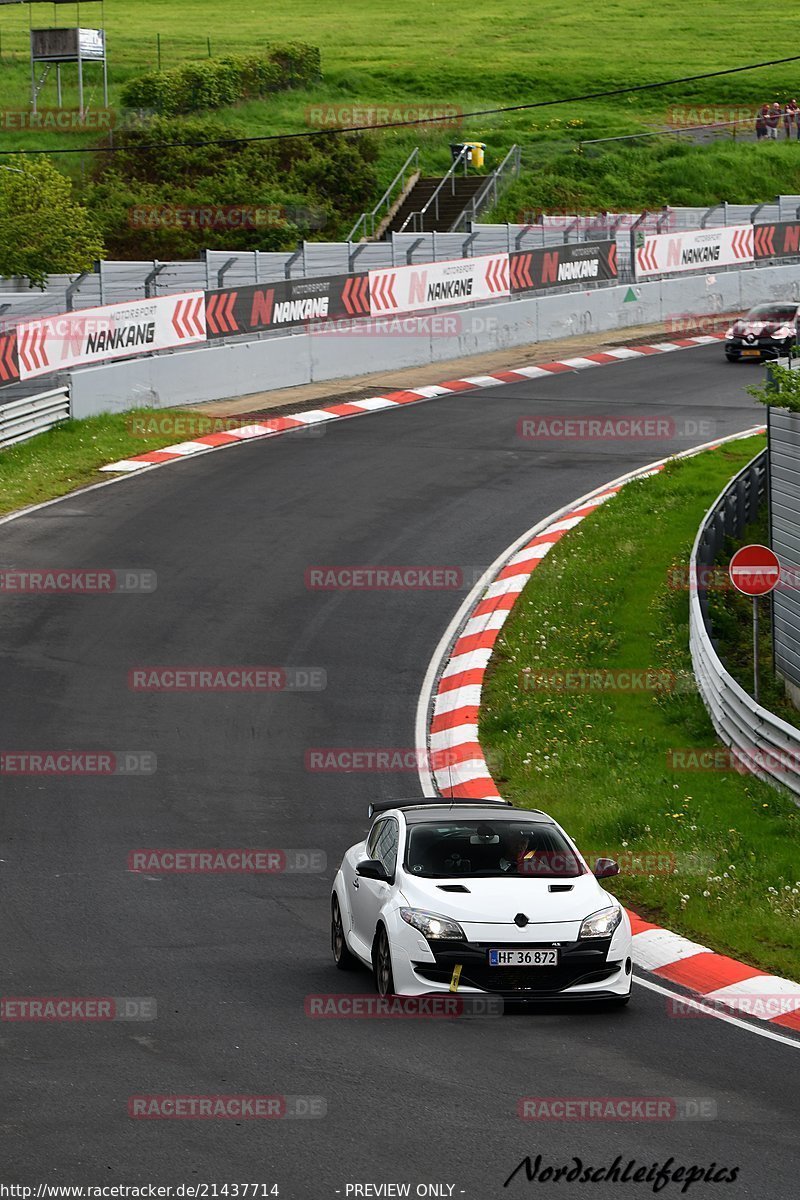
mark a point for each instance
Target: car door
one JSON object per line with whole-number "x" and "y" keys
{"x": 369, "y": 895}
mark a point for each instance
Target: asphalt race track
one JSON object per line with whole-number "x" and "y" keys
{"x": 230, "y": 959}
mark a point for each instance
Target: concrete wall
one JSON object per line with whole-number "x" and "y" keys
{"x": 240, "y": 368}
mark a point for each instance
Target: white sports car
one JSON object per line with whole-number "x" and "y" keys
{"x": 478, "y": 897}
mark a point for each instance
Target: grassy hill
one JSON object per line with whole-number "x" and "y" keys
{"x": 433, "y": 53}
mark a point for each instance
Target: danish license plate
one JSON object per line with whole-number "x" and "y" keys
{"x": 523, "y": 958}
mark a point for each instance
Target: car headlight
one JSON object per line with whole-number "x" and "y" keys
{"x": 432, "y": 925}
{"x": 601, "y": 924}
{"x": 731, "y": 333}
{"x": 783, "y": 333}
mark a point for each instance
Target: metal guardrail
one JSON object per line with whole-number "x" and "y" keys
{"x": 115, "y": 282}
{"x": 766, "y": 746}
{"x": 369, "y": 220}
{"x": 24, "y": 418}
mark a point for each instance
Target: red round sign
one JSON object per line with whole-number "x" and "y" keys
{"x": 755, "y": 570}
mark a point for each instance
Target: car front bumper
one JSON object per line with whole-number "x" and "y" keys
{"x": 761, "y": 348}
{"x": 586, "y": 970}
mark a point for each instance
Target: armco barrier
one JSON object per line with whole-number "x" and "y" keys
{"x": 22, "y": 419}
{"x": 761, "y": 742}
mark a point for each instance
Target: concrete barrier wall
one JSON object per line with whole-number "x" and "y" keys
{"x": 243, "y": 367}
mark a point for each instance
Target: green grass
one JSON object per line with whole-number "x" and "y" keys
{"x": 68, "y": 456}
{"x": 599, "y": 761}
{"x": 478, "y": 58}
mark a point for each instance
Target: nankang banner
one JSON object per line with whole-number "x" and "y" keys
{"x": 779, "y": 239}
{"x": 285, "y": 303}
{"x": 434, "y": 285}
{"x": 559, "y": 266}
{"x": 694, "y": 250}
{"x": 114, "y": 331}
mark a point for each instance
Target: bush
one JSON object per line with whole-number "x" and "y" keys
{"x": 215, "y": 83}
{"x": 298, "y": 186}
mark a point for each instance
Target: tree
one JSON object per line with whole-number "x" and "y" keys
{"x": 42, "y": 229}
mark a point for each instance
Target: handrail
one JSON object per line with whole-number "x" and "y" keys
{"x": 369, "y": 218}
{"x": 478, "y": 201}
{"x": 462, "y": 158}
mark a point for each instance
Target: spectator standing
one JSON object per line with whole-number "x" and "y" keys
{"x": 773, "y": 121}
{"x": 790, "y": 115}
{"x": 761, "y": 122}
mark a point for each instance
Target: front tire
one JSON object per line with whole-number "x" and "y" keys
{"x": 344, "y": 960}
{"x": 382, "y": 964}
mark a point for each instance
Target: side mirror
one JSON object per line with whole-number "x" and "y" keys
{"x": 370, "y": 868}
{"x": 605, "y": 867}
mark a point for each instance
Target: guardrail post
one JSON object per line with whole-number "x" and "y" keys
{"x": 222, "y": 272}
{"x": 73, "y": 287}
{"x": 151, "y": 280}
{"x": 291, "y": 260}
{"x": 411, "y": 249}
{"x": 354, "y": 253}
{"x": 256, "y": 272}
{"x": 467, "y": 246}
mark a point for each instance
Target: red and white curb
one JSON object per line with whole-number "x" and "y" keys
{"x": 277, "y": 425}
{"x": 449, "y": 713}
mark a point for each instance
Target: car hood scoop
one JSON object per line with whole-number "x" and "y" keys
{"x": 560, "y": 887}
{"x": 452, "y": 887}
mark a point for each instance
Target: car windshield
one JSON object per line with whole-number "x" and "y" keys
{"x": 772, "y": 312}
{"x": 489, "y": 849}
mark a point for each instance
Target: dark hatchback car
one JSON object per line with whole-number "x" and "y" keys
{"x": 767, "y": 331}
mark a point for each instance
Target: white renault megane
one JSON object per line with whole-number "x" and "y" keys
{"x": 478, "y": 897}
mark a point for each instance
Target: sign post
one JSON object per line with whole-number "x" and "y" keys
{"x": 754, "y": 571}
